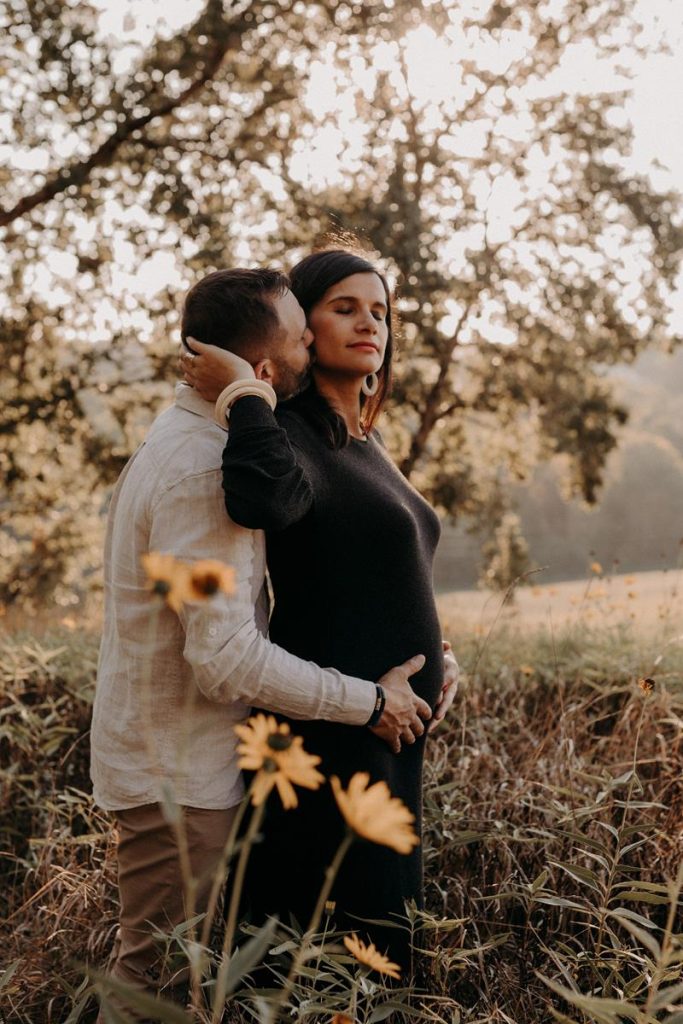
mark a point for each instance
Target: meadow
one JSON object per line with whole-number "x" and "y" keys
{"x": 553, "y": 840}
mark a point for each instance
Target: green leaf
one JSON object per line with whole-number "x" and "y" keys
{"x": 8, "y": 973}
{"x": 248, "y": 956}
{"x": 645, "y": 939}
{"x": 666, "y": 996}
{"x": 602, "y": 1010}
{"x": 641, "y": 897}
{"x": 580, "y": 874}
{"x": 157, "y": 1008}
{"x": 540, "y": 880}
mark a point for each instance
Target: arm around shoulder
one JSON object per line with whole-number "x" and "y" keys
{"x": 265, "y": 482}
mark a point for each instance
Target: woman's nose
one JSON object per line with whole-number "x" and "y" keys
{"x": 367, "y": 322}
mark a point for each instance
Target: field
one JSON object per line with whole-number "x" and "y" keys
{"x": 554, "y": 821}
{"x": 651, "y": 600}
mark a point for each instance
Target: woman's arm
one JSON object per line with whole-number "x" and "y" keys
{"x": 265, "y": 483}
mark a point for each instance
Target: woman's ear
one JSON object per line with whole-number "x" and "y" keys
{"x": 264, "y": 370}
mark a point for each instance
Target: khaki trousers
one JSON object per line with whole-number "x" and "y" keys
{"x": 152, "y": 891}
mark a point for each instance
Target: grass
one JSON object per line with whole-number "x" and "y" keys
{"x": 553, "y": 808}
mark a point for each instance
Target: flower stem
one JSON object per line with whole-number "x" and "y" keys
{"x": 226, "y": 952}
{"x": 222, "y": 871}
{"x": 302, "y": 951}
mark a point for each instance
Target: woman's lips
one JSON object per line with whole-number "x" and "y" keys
{"x": 367, "y": 345}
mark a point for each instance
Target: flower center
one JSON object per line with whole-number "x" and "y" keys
{"x": 279, "y": 741}
{"x": 161, "y": 587}
{"x": 207, "y": 585}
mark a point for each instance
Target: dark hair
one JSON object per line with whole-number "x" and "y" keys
{"x": 233, "y": 309}
{"x": 309, "y": 280}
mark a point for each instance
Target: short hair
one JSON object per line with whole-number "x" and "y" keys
{"x": 233, "y": 309}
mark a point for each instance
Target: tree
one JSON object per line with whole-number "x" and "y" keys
{"x": 528, "y": 252}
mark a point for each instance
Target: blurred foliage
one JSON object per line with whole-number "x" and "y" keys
{"x": 503, "y": 206}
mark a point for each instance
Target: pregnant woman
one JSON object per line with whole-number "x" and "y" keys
{"x": 350, "y": 546}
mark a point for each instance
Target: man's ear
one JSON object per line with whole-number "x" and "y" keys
{"x": 264, "y": 370}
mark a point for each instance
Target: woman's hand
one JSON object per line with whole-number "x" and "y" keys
{"x": 451, "y": 675}
{"x": 210, "y": 369}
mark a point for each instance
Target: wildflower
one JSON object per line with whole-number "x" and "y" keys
{"x": 168, "y": 578}
{"x": 209, "y": 576}
{"x": 596, "y": 568}
{"x": 374, "y": 814}
{"x": 647, "y": 685}
{"x": 371, "y": 957}
{"x": 341, "y": 1018}
{"x": 526, "y": 670}
{"x": 278, "y": 757}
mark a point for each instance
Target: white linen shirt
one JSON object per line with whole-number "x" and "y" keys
{"x": 171, "y": 687}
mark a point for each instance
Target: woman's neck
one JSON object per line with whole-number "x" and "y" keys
{"x": 343, "y": 394}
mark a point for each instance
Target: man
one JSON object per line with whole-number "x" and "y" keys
{"x": 170, "y": 687}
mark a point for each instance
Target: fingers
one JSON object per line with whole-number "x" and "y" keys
{"x": 423, "y": 709}
{"x": 194, "y": 345}
{"x": 436, "y": 721}
{"x": 413, "y": 665}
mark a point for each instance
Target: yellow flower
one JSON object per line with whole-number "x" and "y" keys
{"x": 209, "y": 576}
{"x": 341, "y": 1018}
{"x": 371, "y": 957}
{"x": 374, "y": 814}
{"x": 596, "y": 568}
{"x": 647, "y": 685}
{"x": 278, "y": 757}
{"x": 168, "y": 578}
{"x": 526, "y": 670}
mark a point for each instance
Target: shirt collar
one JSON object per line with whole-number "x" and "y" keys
{"x": 189, "y": 399}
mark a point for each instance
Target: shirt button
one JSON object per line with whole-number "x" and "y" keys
{"x": 212, "y": 630}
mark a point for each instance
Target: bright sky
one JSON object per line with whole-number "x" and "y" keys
{"x": 655, "y": 109}
{"x": 434, "y": 67}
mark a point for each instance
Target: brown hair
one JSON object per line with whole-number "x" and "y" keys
{"x": 233, "y": 309}
{"x": 309, "y": 280}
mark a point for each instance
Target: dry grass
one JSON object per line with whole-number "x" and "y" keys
{"x": 651, "y": 600}
{"x": 553, "y": 764}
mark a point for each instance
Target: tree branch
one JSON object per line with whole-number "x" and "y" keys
{"x": 430, "y": 410}
{"x": 78, "y": 171}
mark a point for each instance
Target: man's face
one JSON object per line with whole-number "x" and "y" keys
{"x": 291, "y": 355}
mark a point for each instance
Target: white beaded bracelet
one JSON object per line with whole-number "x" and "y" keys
{"x": 238, "y": 389}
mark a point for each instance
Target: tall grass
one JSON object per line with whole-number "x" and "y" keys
{"x": 554, "y": 834}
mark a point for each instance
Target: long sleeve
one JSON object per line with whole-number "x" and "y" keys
{"x": 230, "y": 658}
{"x": 265, "y": 482}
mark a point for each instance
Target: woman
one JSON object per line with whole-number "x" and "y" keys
{"x": 350, "y": 546}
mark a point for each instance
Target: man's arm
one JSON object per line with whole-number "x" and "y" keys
{"x": 231, "y": 659}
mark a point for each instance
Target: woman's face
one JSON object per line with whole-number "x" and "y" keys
{"x": 350, "y": 327}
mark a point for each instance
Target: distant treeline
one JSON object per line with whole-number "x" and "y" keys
{"x": 638, "y": 522}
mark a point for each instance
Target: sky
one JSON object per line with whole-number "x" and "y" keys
{"x": 655, "y": 111}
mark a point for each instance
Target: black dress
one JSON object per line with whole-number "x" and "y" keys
{"x": 350, "y": 546}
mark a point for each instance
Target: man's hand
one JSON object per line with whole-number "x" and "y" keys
{"x": 210, "y": 369}
{"x": 404, "y": 710}
{"x": 451, "y": 675}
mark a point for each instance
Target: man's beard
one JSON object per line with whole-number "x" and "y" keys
{"x": 290, "y": 382}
